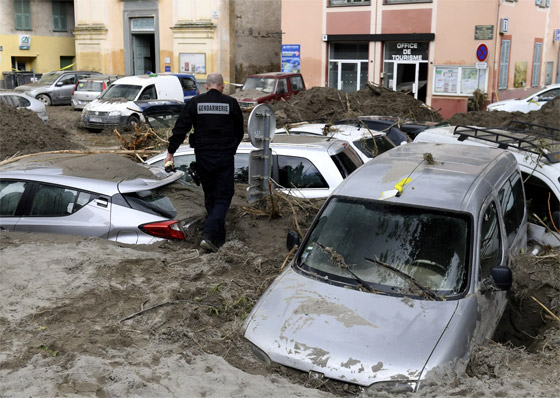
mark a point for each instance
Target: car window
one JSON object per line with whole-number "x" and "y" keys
{"x": 149, "y": 93}
{"x": 296, "y": 172}
{"x": 282, "y": 86}
{"x": 347, "y": 161}
{"x": 371, "y": 147}
{"x": 513, "y": 206}
{"x": 52, "y": 201}
{"x": 296, "y": 82}
{"x": 10, "y": 194}
{"x": 490, "y": 241}
{"x": 540, "y": 198}
{"x": 19, "y": 101}
{"x": 241, "y": 168}
{"x": 68, "y": 79}
{"x": 187, "y": 84}
{"x": 90, "y": 85}
{"x": 152, "y": 202}
{"x": 126, "y": 91}
{"x": 7, "y": 99}
{"x": 549, "y": 95}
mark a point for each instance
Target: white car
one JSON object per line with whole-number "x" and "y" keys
{"x": 309, "y": 167}
{"x": 367, "y": 143}
{"x": 21, "y": 100}
{"x": 539, "y": 161}
{"x": 531, "y": 103}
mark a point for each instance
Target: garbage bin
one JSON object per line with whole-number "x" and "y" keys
{"x": 25, "y": 77}
{"x": 9, "y": 80}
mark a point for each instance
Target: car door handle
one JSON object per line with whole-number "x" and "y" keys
{"x": 102, "y": 202}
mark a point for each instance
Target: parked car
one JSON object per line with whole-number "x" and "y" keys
{"x": 533, "y": 102}
{"x": 366, "y": 143}
{"x": 404, "y": 269}
{"x": 55, "y": 88}
{"x": 397, "y": 130}
{"x": 23, "y": 101}
{"x": 88, "y": 89}
{"x": 45, "y": 200}
{"x": 117, "y": 106}
{"x": 266, "y": 87}
{"x": 537, "y": 150}
{"x": 309, "y": 167}
{"x": 161, "y": 114}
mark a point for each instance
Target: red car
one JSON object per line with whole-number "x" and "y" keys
{"x": 267, "y": 87}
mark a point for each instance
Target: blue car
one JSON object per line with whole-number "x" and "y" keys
{"x": 188, "y": 82}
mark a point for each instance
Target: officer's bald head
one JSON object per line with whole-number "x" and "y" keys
{"x": 215, "y": 81}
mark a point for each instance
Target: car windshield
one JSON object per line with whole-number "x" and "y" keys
{"x": 89, "y": 85}
{"x": 371, "y": 147}
{"x": 48, "y": 78}
{"x": 390, "y": 248}
{"x": 259, "y": 83}
{"x": 126, "y": 91}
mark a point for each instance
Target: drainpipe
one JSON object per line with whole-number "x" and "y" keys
{"x": 497, "y": 52}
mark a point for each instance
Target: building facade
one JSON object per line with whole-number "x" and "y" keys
{"x": 131, "y": 37}
{"x": 36, "y": 35}
{"x": 439, "y": 51}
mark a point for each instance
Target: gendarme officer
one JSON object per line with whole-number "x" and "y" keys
{"x": 218, "y": 129}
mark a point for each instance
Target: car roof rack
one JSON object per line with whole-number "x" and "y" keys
{"x": 528, "y": 137}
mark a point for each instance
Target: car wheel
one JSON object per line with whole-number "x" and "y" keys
{"x": 133, "y": 121}
{"x": 45, "y": 99}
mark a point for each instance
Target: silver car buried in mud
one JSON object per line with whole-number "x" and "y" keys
{"x": 404, "y": 269}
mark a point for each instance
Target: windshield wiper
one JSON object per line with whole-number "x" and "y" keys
{"x": 407, "y": 277}
{"x": 339, "y": 261}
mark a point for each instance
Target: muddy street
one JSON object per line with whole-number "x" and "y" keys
{"x": 90, "y": 317}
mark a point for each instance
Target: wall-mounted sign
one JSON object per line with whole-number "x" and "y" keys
{"x": 556, "y": 34}
{"x": 484, "y": 32}
{"x": 291, "y": 58}
{"x": 406, "y": 51}
{"x": 192, "y": 63}
{"x": 482, "y": 52}
{"x": 24, "y": 42}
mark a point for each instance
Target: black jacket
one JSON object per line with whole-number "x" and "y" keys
{"x": 217, "y": 121}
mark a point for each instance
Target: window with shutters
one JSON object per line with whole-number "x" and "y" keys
{"x": 59, "y": 16}
{"x": 22, "y": 14}
{"x": 504, "y": 64}
{"x": 536, "y": 65}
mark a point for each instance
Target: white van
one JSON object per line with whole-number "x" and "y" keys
{"x": 117, "y": 105}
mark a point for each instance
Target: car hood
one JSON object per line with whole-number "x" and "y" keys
{"x": 110, "y": 105}
{"x": 30, "y": 87}
{"x": 250, "y": 95}
{"x": 345, "y": 334}
{"x": 504, "y": 102}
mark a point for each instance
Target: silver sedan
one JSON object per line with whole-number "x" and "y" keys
{"x": 23, "y": 101}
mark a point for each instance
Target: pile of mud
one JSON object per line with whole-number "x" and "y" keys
{"x": 327, "y": 105}
{"x": 23, "y": 132}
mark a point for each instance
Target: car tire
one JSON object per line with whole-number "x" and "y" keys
{"x": 133, "y": 121}
{"x": 45, "y": 99}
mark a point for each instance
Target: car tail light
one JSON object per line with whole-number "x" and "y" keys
{"x": 104, "y": 86}
{"x": 164, "y": 229}
{"x": 74, "y": 89}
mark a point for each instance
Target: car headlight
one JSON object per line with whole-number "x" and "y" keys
{"x": 394, "y": 387}
{"x": 115, "y": 113}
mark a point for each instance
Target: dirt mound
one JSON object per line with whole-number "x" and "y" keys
{"x": 23, "y": 132}
{"x": 325, "y": 104}
{"x": 548, "y": 115}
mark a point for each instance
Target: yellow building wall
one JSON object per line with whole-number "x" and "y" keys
{"x": 43, "y": 55}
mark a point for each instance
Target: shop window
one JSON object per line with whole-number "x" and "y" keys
{"x": 59, "y": 16}
{"x": 349, "y": 2}
{"x": 536, "y": 65}
{"x": 504, "y": 64}
{"x": 22, "y": 14}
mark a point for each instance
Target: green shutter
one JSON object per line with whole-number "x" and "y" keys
{"x": 59, "y": 16}
{"x": 22, "y": 15}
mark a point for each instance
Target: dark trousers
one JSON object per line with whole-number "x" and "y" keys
{"x": 216, "y": 174}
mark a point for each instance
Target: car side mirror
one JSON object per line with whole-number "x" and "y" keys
{"x": 500, "y": 279}
{"x": 59, "y": 84}
{"x": 292, "y": 240}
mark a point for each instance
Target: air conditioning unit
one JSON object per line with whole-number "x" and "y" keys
{"x": 504, "y": 25}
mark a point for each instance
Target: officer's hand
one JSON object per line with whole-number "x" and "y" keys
{"x": 168, "y": 158}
